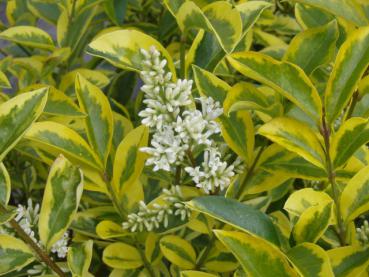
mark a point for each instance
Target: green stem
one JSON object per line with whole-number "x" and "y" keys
{"x": 71, "y": 15}
{"x": 249, "y": 173}
{"x": 332, "y": 180}
{"x": 354, "y": 101}
{"x": 43, "y": 256}
{"x": 24, "y": 49}
{"x": 191, "y": 158}
{"x": 145, "y": 261}
{"x": 113, "y": 196}
{"x": 177, "y": 179}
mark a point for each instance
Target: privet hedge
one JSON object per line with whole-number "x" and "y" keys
{"x": 184, "y": 138}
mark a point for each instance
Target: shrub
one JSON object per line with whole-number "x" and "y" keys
{"x": 184, "y": 138}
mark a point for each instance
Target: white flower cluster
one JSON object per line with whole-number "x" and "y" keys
{"x": 178, "y": 127}
{"x": 149, "y": 219}
{"x": 362, "y": 233}
{"x": 61, "y": 246}
{"x": 213, "y": 172}
{"x": 27, "y": 218}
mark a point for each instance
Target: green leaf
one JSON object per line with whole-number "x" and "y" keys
{"x": 17, "y": 115}
{"x": 29, "y": 36}
{"x": 257, "y": 257}
{"x": 238, "y": 133}
{"x": 116, "y": 10}
{"x": 47, "y": 10}
{"x": 62, "y": 194}
{"x": 351, "y": 62}
{"x": 238, "y": 215}
{"x": 99, "y": 122}
{"x": 14, "y": 254}
{"x": 295, "y": 136}
{"x": 56, "y": 138}
{"x": 178, "y": 251}
{"x": 285, "y": 78}
{"x": 5, "y": 186}
{"x": 122, "y": 256}
{"x": 311, "y": 260}
{"x": 355, "y": 196}
{"x": 347, "y": 9}
{"x": 352, "y": 134}
{"x": 122, "y": 49}
{"x": 313, "y": 47}
{"x": 218, "y": 18}
{"x": 79, "y": 258}
{"x": 128, "y": 165}
{"x": 349, "y": 261}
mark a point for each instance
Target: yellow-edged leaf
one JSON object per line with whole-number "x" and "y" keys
{"x": 219, "y": 18}
{"x": 79, "y": 258}
{"x": 351, "y": 135}
{"x": 29, "y": 36}
{"x": 128, "y": 165}
{"x": 62, "y": 194}
{"x": 351, "y": 62}
{"x": 311, "y": 260}
{"x": 110, "y": 46}
{"x": 355, "y": 197}
{"x": 17, "y": 115}
{"x": 5, "y": 186}
{"x": 257, "y": 257}
{"x": 313, "y": 47}
{"x": 178, "y": 251}
{"x": 347, "y": 9}
{"x": 99, "y": 121}
{"x": 295, "y": 136}
{"x": 122, "y": 256}
{"x": 56, "y": 138}
{"x": 302, "y": 199}
{"x": 285, "y": 78}
{"x": 108, "y": 229}
{"x": 14, "y": 254}
{"x": 313, "y": 222}
{"x": 238, "y": 133}
{"x": 4, "y": 82}
{"x": 349, "y": 261}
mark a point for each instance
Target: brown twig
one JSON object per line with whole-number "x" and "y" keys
{"x": 40, "y": 252}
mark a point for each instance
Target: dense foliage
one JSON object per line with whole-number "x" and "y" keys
{"x": 190, "y": 138}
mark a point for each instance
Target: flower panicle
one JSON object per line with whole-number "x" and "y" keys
{"x": 178, "y": 127}
{"x": 150, "y": 218}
